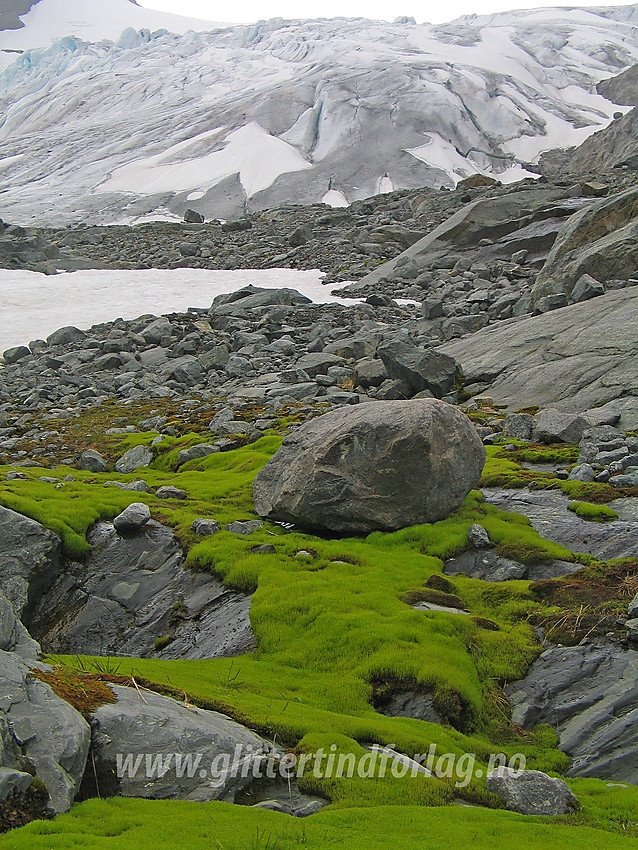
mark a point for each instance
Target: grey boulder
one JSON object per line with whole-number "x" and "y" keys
{"x": 530, "y": 792}
{"x": 147, "y": 725}
{"x": 92, "y": 461}
{"x": 554, "y": 426}
{"x": 380, "y": 466}
{"x": 138, "y": 456}
{"x": 132, "y": 518}
{"x": 419, "y": 368}
{"x": 38, "y": 727}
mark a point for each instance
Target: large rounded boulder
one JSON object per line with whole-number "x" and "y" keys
{"x": 377, "y": 466}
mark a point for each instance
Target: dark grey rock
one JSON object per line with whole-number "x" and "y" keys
{"x": 369, "y": 373}
{"x": 141, "y": 723}
{"x": 432, "y": 308}
{"x": 193, "y": 217}
{"x": 551, "y": 302}
{"x": 154, "y": 332}
{"x": 530, "y": 792}
{"x": 204, "y": 527}
{"x": 318, "y": 363}
{"x": 66, "y": 335}
{"x": 92, "y": 461}
{"x": 29, "y": 561}
{"x": 374, "y": 466}
{"x": 554, "y": 426}
{"x": 13, "y": 355}
{"x": 13, "y": 781}
{"x": 583, "y": 472}
{"x": 587, "y": 287}
{"x": 478, "y": 537}
{"x": 589, "y": 694}
{"x": 244, "y": 527}
{"x": 420, "y": 369}
{"x": 170, "y": 492}
{"x": 488, "y": 566}
{"x": 196, "y": 452}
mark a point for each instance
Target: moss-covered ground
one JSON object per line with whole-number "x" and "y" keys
{"x": 333, "y": 628}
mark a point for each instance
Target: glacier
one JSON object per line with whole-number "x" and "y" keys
{"x": 128, "y": 126}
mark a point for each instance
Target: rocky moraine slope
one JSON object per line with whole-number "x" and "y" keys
{"x": 274, "y": 527}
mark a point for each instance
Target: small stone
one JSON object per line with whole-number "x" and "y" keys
{"x": 632, "y": 611}
{"x": 196, "y": 452}
{"x": 478, "y": 537}
{"x": 170, "y": 492}
{"x": 205, "y": 527}
{"x": 132, "y": 518}
{"x": 432, "y": 308}
{"x": 587, "y": 287}
{"x": 584, "y": 472}
{"x": 247, "y": 527}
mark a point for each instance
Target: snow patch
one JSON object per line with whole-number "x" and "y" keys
{"x": 335, "y": 198}
{"x": 83, "y": 298}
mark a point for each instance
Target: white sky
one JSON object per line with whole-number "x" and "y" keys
{"x": 249, "y": 11}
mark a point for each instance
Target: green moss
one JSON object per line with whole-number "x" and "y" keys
{"x": 596, "y": 513}
{"x": 546, "y": 454}
{"x": 503, "y": 470}
{"x": 126, "y": 824}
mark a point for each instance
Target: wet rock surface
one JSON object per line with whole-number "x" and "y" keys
{"x": 589, "y": 694}
{"x": 548, "y": 514}
{"x": 488, "y": 566}
{"x": 29, "y": 560}
{"x": 134, "y": 597}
